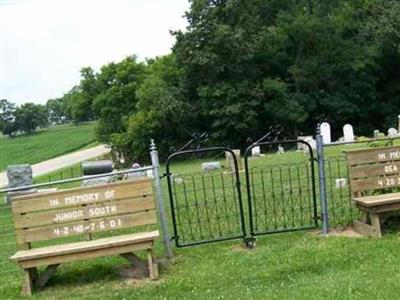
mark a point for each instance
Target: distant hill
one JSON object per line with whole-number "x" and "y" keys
{"x": 45, "y": 144}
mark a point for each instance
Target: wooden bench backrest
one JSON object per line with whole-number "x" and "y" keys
{"x": 82, "y": 211}
{"x": 373, "y": 169}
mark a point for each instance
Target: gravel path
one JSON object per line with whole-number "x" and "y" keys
{"x": 60, "y": 162}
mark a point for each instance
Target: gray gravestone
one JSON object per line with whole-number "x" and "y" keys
{"x": 230, "y": 162}
{"x": 18, "y": 176}
{"x": 210, "y": 166}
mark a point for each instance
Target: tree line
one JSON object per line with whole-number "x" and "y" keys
{"x": 241, "y": 66}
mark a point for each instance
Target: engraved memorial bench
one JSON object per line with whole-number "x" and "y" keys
{"x": 87, "y": 211}
{"x": 372, "y": 170}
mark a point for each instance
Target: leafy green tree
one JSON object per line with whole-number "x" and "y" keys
{"x": 116, "y": 101}
{"x": 8, "y": 126}
{"x": 162, "y": 113}
{"x": 30, "y": 116}
{"x": 57, "y": 111}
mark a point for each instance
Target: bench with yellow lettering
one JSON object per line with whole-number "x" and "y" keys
{"x": 87, "y": 211}
{"x": 372, "y": 170}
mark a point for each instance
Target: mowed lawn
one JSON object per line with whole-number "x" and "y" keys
{"x": 296, "y": 265}
{"x": 44, "y": 144}
{"x": 299, "y": 265}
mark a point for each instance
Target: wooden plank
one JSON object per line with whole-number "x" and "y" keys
{"x": 106, "y": 208}
{"x": 69, "y": 257}
{"x": 365, "y": 156}
{"x": 361, "y": 171}
{"x": 376, "y": 223}
{"x": 45, "y": 276}
{"x": 382, "y": 197}
{"x": 152, "y": 265}
{"x": 375, "y": 183}
{"x": 364, "y": 228}
{"x": 84, "y": 227}
{"x": 390, "y": 209}
{"x": 28, "y": 284}
{"x": 75, "y": 247}
{"x": 379, "y": 205}
{"x": 79, "y": 196}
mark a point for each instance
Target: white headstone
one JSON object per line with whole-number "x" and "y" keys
{"x": 326, "y": 133}
{"x": 392, "y": 132}
{"x": 376, "y": 133}
{"x": 348, "y": 133}
{"x": 281, "y": 150}
{"x": 340, "y": 183}
{"x": 312, "y": 143}
{"x": 256, "y": 151}
{"x": 301, "y": 146}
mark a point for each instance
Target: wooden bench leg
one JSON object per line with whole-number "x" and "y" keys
{"x": 134, "y": 260}
{"x": 45, "y": 276}
{"x": 28, "y": 284}
{"x": 376, "y": 223}
{"x": 364, "y": 216}
{"x": 153, "y": 266}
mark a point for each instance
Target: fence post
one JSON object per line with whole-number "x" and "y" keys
{"x": 322, "y": 182}
{"x": 160, "y": 200}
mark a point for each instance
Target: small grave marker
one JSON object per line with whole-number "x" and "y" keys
{"x": 326, "y": 132}
{"x": 392, "y": 132}
{"x": 256, "y": 151}
{"x": 348, "y": 133}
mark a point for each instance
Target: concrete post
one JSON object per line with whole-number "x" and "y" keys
{"x": 160, "y": 200}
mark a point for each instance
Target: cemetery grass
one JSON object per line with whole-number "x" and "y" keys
{"x": 301, "y": 265}
{"x": 45, "y": 144}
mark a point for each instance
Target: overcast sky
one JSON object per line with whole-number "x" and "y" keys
{"x": 43, "y": 44}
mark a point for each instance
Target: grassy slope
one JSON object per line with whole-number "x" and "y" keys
{"x": 44, "y": 144}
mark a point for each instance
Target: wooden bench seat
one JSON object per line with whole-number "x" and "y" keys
{"x": 378, "y": 199}
{"x": 57, "y": 253}
{"x": 116, "y": 207}
{"x": 371, "y": 170}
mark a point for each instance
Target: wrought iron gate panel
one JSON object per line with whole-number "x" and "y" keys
{"x": 281, "y": 197}
{"x": 205, "y": 207}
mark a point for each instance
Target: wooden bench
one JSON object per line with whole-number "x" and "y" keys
{"x": 88, "y": 211}
{"x": 372, "y": 170}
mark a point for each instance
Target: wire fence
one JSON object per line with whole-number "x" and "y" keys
{"x": 340, "y": 205}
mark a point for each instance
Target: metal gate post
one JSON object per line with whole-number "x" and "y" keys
{"x": 322, "y": 183}
{"x": 160, "y": 200}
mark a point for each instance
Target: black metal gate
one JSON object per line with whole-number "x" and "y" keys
{"x": 281, "y": 196}
{"x": 205, "y": 206}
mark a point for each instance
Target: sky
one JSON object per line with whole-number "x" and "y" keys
{"x": 44, "y": 43}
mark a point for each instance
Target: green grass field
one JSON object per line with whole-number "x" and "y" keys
{"x": 45, "y": 144}
{"x": 299, "y": 265}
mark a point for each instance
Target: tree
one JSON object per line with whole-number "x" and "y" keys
{"x": 8, "y": 126}
{"x": 30, "y": 116}
{"x": 162, "y": 113}
{"x": 116, "y": 101}
{"x": 57, "y": 111}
